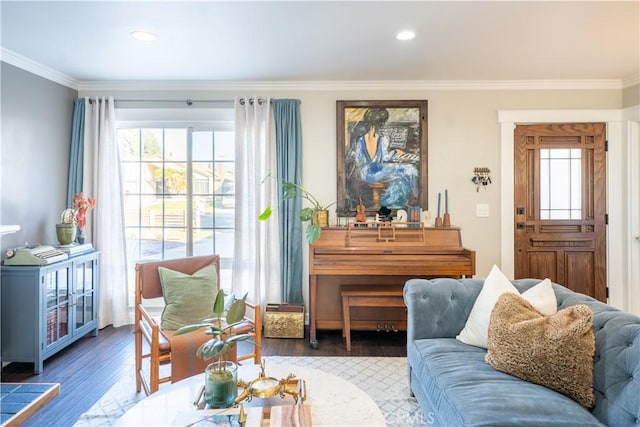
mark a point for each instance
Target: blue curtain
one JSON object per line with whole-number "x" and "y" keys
{"x": 286, "y": 114}
{"x": 77, "y": 151}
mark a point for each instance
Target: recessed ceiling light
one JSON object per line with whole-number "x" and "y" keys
{"x": 143, "y": 36}
{"x": 405, "y": 35}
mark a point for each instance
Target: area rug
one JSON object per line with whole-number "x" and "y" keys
{"x": 382, "y": 378}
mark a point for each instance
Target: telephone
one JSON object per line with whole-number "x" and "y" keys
{"x": 37, "y": 255}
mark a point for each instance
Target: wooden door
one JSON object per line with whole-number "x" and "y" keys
{"x": 560, "y": 205}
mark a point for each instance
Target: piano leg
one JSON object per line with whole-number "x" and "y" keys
{"x": 313, "y": 286}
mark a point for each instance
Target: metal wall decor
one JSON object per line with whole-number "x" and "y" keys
{"x": 481, "y": 177}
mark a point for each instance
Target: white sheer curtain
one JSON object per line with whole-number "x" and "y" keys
{"x": 102, "y": 180}
{"x": 256, "y": 258}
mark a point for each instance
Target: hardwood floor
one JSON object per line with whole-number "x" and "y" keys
{"x": 90, "y": 367}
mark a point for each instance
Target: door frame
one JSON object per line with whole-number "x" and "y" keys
{"x": 631, "y": 133}
{"x": 622, "y": 132}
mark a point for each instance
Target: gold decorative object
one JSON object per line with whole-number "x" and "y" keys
{"x": 264, "y": 387}
{"x": 284, "y": 321}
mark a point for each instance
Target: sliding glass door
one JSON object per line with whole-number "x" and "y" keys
{"x": 179, "y": 193}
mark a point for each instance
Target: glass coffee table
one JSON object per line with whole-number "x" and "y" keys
{"x": 332, "y": 400}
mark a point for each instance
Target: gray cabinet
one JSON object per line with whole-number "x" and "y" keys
{"x": 46, "y": 308}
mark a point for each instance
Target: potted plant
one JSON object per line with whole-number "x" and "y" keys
{"x": 221, "y": 376}
{"x": 317, "y": 213}
{"x": 66, "y": 229}
{"x": 75, "y": 218}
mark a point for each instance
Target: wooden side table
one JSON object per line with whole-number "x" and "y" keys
{"x": 372, "y": 296}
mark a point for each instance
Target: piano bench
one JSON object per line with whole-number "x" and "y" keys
{"x": 369, "y": 296}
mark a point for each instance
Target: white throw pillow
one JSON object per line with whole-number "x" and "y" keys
{"x": 476, "y": 330}
{"x": 542, "y": 298}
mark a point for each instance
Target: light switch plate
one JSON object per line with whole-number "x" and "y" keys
{"x": 482, "y": 210}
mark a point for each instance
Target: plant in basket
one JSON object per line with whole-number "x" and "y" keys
{"x": 220, "y": 376}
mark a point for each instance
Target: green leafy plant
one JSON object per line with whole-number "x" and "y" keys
{"x": 227, "y": 313}
{"x": 290, "y": 190}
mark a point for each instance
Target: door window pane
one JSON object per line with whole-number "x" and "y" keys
{"x": 560, "y": 184}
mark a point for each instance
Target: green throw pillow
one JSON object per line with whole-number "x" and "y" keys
{"x": 188, "y": 298}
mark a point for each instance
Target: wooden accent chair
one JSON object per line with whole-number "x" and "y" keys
{"x": 154, "y": 344}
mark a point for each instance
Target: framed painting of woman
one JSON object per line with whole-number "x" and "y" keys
{"x": 382, "y": 155}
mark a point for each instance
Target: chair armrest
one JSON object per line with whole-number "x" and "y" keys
{"x": 148, "y": 326}
{"x": 257, "y": 315}
{"x": 257, "y": 329}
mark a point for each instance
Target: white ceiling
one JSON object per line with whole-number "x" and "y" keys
{"x": 89, "y": 41}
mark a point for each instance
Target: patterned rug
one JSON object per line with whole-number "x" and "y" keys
{"x": 390, "y": 391}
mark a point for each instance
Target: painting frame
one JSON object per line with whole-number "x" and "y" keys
{"x": 395, "y": 172}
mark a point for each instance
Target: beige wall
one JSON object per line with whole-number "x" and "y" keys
{"x": 463, "y": 133}
{"x": 631, "y": 96}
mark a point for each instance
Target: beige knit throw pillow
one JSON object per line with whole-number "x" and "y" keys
{"x": 555, "y": 351}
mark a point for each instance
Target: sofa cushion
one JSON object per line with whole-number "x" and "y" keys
{"x": 188, "y": 297}
{"x": 475, "y": 330}
{"x": 555, "y": 351}
{"x": 454, "y": 383}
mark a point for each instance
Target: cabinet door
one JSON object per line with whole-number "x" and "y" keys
{"x": 57, "y": 285}
{"x": 84, "y": 293}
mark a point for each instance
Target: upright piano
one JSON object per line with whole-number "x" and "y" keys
{"x": 375, "y": 254}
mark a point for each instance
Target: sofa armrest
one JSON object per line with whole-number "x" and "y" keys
{"x": 438, "y": 308}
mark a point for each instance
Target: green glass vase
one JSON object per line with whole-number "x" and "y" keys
{"x": 221, "y": 384}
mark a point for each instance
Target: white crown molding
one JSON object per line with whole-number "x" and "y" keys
{"x": 36, "y": 68}
{"x": 353, "y": 85}
{"x": 631, "y": 80}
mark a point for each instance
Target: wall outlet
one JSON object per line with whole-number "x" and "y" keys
{"x": 482, "y": 210}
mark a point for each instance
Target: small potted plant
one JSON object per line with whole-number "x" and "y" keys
{"x": 221, "y": 376}
{"x": 317, "y": 213}
{"x": 66, "y": 229}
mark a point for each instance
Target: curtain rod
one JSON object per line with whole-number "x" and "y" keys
{"x": 189, "y": 101}
{"x": 185, "y": 101}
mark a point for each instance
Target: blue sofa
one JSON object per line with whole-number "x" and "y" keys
{"x": 456, "y": 387}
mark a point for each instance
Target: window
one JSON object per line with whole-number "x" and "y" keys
{"x": 560, "y": 183}
{"x": 178, "y": 193}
